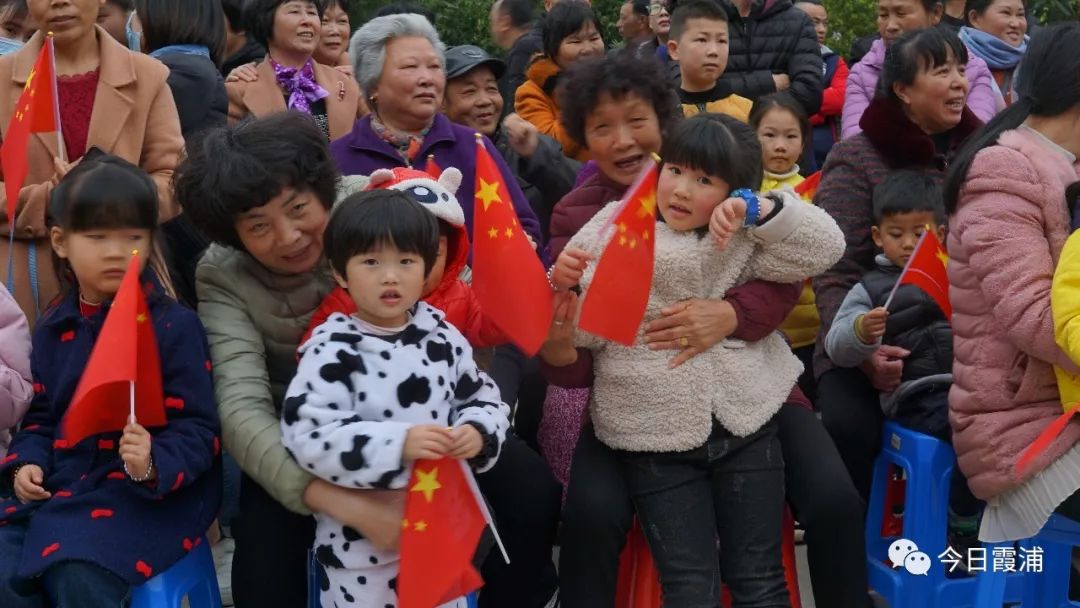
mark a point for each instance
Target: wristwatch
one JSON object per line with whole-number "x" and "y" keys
{"x": 753, "y": 206}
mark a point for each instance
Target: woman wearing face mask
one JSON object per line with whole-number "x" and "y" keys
{"x": 895, "y": 18}
{"x": 571, "y": 32}
{"x": 998, "y": 35}
{"x": 110, "y": 98}
{"x": 15, "y": 25}
{"x": 290, "y": 78}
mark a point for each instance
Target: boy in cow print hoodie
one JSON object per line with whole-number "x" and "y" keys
{"x": 383, "y": 387}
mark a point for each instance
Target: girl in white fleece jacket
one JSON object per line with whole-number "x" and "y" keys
{"x": 697, "y": 442}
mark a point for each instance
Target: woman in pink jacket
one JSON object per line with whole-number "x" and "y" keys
{"x": 894, "y": 18}
{"x": 1008, "y": 223}
{"x": 15, "y": 388}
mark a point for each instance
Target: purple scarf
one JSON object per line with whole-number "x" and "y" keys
{"x": 300, "y": 85}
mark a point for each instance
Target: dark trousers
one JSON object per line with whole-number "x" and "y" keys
{"x": 523, "y": 387}
{"x": 731, "y": 489}
{"x": 66, "y": 584}
{"x": 851, "y": 411}
{"x": 598, "y": 514}
{"x": 272, "y": 543}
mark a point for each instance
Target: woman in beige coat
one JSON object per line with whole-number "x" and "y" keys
{"x": 289, "y": 78}
{"x": 110, "y": 98}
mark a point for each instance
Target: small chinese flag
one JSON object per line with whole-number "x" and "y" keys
{"x": 37, "y": 111}
{"x": 508, "y": 277}
{"x": 808, "y": 187}
{"x": 616, "y": 298}
{"x": 432, "y": 168}
{"x": 125, "y": 352}
{"x": 439, "y": 535}
{"x": 926, "y": 270}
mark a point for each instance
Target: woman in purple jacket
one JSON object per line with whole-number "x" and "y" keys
{"x": 400, "y": 65}
{"x": 894, "y": 18}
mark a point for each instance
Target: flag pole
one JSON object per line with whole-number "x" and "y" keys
{"x": 131, "y": 415}
{"x": 483, "y": 508}
{"x": 902, "y": 272}
{"x": 61, "y": 149}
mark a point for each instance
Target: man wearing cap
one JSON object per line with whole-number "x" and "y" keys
{"x": 472, "y": 99}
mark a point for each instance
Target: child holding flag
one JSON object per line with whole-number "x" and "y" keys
{"x": 92, "y": 510}
{"x": 698, "y": 441}
{"x": 891, "y": 305}
{"x": 391, "y": 384}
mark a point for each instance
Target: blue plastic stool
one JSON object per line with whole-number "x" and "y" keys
{"x": 1050, "y": 588}
{"x": 194, "y": 577}
{"x": 928, "y": 465}
{"x": 313, "y": 585}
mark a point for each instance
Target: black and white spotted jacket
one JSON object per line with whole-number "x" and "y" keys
{"x": 355, "y": 396}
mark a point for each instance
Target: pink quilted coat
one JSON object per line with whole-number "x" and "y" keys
{"x": 15, "y": 388}
{"x": 1004, "y": 241}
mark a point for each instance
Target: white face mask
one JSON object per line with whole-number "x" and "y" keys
{"x": 7, "y": 45}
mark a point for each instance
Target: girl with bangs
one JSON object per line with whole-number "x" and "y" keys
{"x": 697, "y": 443}
{"x": 83, "y": 524}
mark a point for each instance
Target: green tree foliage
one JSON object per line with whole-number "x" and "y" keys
{"x": 848, "y": 20}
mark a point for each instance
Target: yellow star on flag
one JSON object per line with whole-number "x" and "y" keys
{"x": 509, "y": 232}
{"x": 943, "y": 257}
{"x": 427, "y": 482}
{"x": 30, "y": 80}
{"x": 404, "y": 524}
{"x": 140, "y": 318}
{"x": 493, "y": 233}
{"x": 648, "y": 204}
{"x": 420, "y": 526}
{"x": 488, "y": 193}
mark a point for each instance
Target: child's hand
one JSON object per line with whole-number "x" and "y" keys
{"x": 135, "y": 451}
{"x": 569, "y": 268}
{"x": 872, "y": 325}
{"x": 467, "y": 442}
{"x": 28, "y": 482}
{"x": 426, "y": 441}
{"x": 726, "y": 219}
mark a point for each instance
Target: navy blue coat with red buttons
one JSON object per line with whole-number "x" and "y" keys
{"x": 96, "y": 512}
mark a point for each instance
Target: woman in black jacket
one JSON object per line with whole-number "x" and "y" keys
{"x": 772, "y": 48}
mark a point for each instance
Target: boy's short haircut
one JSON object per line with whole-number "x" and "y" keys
{"x": 616, "y": 76}
{"x": 695, "y": 9}
{"x": 373, "y": 218}
{"x": 909, "y": 191}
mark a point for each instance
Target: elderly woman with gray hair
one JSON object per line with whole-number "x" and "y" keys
{"x": 289, "y": 78}
{"x": 400, "y": 65}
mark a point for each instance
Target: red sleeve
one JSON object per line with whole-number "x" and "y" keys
{"x": 480, "y": 330}
{"x": 832, "y": 99}
{"x": 576, "y": 375}
{"x": 761, "y": 306}
{"x": 335, "y": 301}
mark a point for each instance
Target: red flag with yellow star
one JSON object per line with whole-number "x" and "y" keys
{"x": 37, "y": 111}
{"x": 508, "y": 277}
{"x": 615, "y": 301}
{"x": 125, "y": 354}
{"x": 439, "y": 536}
{"x": 926, "y": 270}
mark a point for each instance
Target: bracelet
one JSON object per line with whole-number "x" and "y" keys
{"x": 144, "y": 478}
{"x": 551, "y": 283}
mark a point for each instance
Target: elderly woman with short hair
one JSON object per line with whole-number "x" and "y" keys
{"x": 400, "y": 65}
{"x": 289, "y": 78}
{"x": 399, "y": 62}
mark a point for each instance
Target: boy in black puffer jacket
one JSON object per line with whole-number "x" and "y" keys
{"x": 906, "y": 204}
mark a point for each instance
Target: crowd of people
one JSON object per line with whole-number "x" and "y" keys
{"x": 301, "y": 189}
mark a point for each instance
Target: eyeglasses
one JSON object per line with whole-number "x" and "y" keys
{"x": 655, "y": 8}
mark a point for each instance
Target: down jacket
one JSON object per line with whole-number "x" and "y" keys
{"x": 863, "y": 80}
{"x": 638, "y": 402}
{"x": 536, "y": 101}
{"x": 1004, "y": 393}
{"x": 775, "y": 38}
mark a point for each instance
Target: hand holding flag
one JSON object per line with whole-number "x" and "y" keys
{"x": 925, "y": 269}
{"x": 122, "y": 379}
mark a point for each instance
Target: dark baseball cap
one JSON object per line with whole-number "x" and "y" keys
{"x": 462, "y": 59}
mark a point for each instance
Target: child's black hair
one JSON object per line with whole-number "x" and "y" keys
{"x": 103, "y": 191}
{"x": 783, "y": 101}
{"x": 366, "y": 220}
{"x": 719, "y": 145}
{"x": 909, "y": 191}
{"x": 695, "y": 9}
{"x": 615, "y": 76}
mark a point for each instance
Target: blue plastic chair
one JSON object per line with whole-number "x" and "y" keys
{"x": 928, "y": 465}
{"x": 1050, "y": 588}
{"x": 193, "y": 577}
